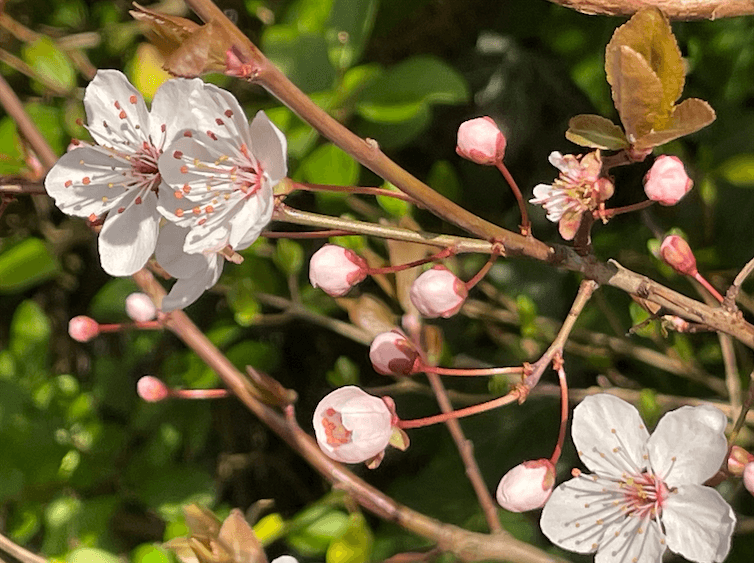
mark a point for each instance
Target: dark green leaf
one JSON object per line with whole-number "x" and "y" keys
{"x": 302, "y": 58}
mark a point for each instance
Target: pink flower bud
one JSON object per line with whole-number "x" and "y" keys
{"x": 667, "y": 181}
{"x": 527, "y": 486}
{"x": 151, "y": 389}
{"x": 738, "y": 459}
{"x": 480, "y": 141}
{"x": 438, "y": 293}
{"x": 749, "y": 477}
{"x": 335, "y": 269}
{"x": 352, "y": 426}
{"x": 391, "y": 353}
{"x": 139, "y": 308}
{"x": 83, "y": 328}
{"x": 677, "y": 254}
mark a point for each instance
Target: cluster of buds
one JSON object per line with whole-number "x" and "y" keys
{"x": 139, "y": 308}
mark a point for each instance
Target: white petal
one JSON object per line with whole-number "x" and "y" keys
{"x": 632, "y": 540}
{"x": 698, "y": 523}
{"x": 80, "y": 181}
{"x": 609, "y": 435}
{"x": 128, "y": 239}
{"x": 185, "y": 291}
{"x": 688, "y": 445}
{"x": 251, "y": 219}
{"x": 542, "y": 192}
{"x": 123, "y": 126}
{"x": 578, "y": 512}
{"x": 557, "y": 160}
{"x": 171, "y": 108}
{"x": 170, "y": 255}
{"x": 269, "y": 147}
{"x": 217, "y": 110}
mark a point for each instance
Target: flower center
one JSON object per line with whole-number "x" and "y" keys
{"x": 247, "y": 177}
{"x": 336, "y": 433}
{"x": 643, "y": 495}
{"x": 144, "y": 165}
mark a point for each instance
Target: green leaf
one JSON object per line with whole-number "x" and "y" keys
{"x": 596, "y": 132}
{"x": 302, "y": 57}
{"x": 30, "y": 330}
{"x": 51, "y": 65}
{"x": 354, "y": 545}
{"x": 739, "y": 170}
{"x": 315, "y": 538}
{"x": 444, "y": 179}
{"x": 12, "y": 160}
{"x": 288, "y": 256}
{"x": 648, "y": 34}
{"x": 392, "y": 205}
{"x": 328, "y": 164}
{"x": 91, "y": 555}
{"x": 407, "y": 89}
{"x": 348, "y": 30}
{"x": 344, "y": 372}
{"x": 396, "y": 135}
{"x": 168, "y": 490}
{"x": 50, "y": 123}
{"x": 148, "y": 553}
{"x": 109, "y": 303}
{"x": 687, "y": 117}
{"x": 308, "y": 16}
{"x": 26, "y": 265}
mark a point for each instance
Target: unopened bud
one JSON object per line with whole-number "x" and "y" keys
{"x": 438, "y": 293}
{"x": 140, "y": 308}
{"x": 667, "y": 181}
{"x": 151, "y": 389}
{"x": 738, "y": 459}
{"x": 83, "y": 328}
{"x": 749, "y": 477}
{"x": 481, "y": 141}
{"x": 676, "y": 252}
{"x": 335, "y": 269}
{"x": 285, "y": 559}
{"x": 391, "y": 353}
{"x": 527, "y": 486}
{"x": 352, "y": 426}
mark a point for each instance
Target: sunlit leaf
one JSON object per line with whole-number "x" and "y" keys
{"x": 739, "y": 170}
{"x": 596, "y": 132}
{"x": 687, "y": 117}
{"x": 348, "y": 30}
{"x": 354, "y": 545}
{"x": 145, "y": 70}
{"x": 51, "y": 65}
{"x": 25, "y": 265}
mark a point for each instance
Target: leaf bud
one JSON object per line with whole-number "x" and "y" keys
{"x": 481, "y": 141}
{"x": 667, "y": 181}
{"x": 336, "y": 270}
{"x": 438, "y": 293}
{"x": 83, "y": 328}
{"x": 392, "y": 353}
{"x": 676, "y": 252}
{"x": 527, "y": 486}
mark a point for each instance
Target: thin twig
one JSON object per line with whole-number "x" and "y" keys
{"x": 729, "y": 303}
{"x": 20, "y": 553}
{"x": 745, "y": 408}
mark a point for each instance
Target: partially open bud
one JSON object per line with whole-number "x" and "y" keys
{"x": 438, "y": 293}
{"x": 352, "y": 426}
{"x": 140, "y": 308}
{"x": 151, "y": 389}
{"x": 749, "y": 477}
{"x": 738, "y": 459}
{"x": 391, "y": 353}
{"x": 83, "y": 328}
{"x": 676, "y": 252}
{"x": 527, "y": 486}
{"x": 480, "y": 141}
{"x": 335, "y": 269}
{"x": 667, "y": 181}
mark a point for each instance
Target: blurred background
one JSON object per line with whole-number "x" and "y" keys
{"x": 88, "y": 472}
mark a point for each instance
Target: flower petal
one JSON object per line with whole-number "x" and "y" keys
{"x": 632, "y": 539}
{"x": 116, "y": 113}
{"x": 128, "y": 239}
{"x": 88, "y": 181}
{"x": 251, "y": 219}
{"x": 187, "y": 290}
{"x": 218, "y": 111}
{"x": 609, "y": 435}
{"x": 688, "y": 445}
{"x": 698, "y": 523}
{"x": 170, "y": 108}
{"x": 270, "y": 147}
{"x": 171, "y": 257}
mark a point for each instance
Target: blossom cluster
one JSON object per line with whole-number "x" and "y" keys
{"x": 189, "y": 181}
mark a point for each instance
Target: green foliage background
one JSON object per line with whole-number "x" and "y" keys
{"x": 90, "y": 473}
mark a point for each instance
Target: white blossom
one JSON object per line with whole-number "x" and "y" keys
{"x": 119, "y": 176}
{"x": 645, "y": 493}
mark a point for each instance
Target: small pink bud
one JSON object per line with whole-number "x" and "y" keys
{"x": 151, "y": 389}
{"x": 352, "y": 426}
{"x": 738, "y": 459}
{"x": 83, "y": 328}
{"x": 335, "y": 269}
{"x": 749, "y": 477}
{"x": 677, "y": 254}
{"x": 667, "y": 181}
{"x": 391, "y": 353}
{"x": 480, "y": 141}
{"x": 527, "y": 486}
{"x": 438, "y": 293}
{"x": 140, "y": 308}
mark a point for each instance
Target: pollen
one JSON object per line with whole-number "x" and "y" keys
{"x": 122, "y": 114}
{"x": 177, "y": 154}
{"x": 92, "y": 218}
{"x": 121, "y": 209}
{"x": 184, "y": 169}
{"x": 104, "y": 199}
{"x": 178, "y": 194}
{"x": 228, "y": 113}
{"x": 186, "y": 188}
{"x": 86, "y": 180}
{"x": 132, "y": 99}
{"x": 179, "y": 212}
{"x": 219, "y": 121}
{"x": 211, "y": 135}
{"x": 209, "y": 209}
{"x": 201, "y": 221}
{"x": 117, "y": 104}
{"x": 68, "y": 184}
{"x": 137, "y": 201}
{"x": 197, "y": 210}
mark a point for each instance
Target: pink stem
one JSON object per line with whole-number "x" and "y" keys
{"x": 608, "y": 213}
{"x": 460, "y": 413}
{"x": 525, "y": 224}
{"x": 482, "y": 272}
{"x": 444, "y": 253}
{"x": 708, "y": 286}
{"x": 198, "y": 393}
{"x": 563, "y": 412}
{"x": 117, "y": 327}
{"x": 421, "y": 366}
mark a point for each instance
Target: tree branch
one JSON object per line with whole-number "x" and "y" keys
{"x": 674, "y": 9}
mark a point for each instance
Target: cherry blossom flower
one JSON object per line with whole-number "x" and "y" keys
{"x": 667, "y": 181}
{"x": 352, "y": 426}
{"x": 527, "y": 486}
{"x": 195, "y": 273}
{"x": 119, "y": 176}
{"x": 438, "y": 292}
{"x": 222, "y": 174}
{"x": 646, "y": 492}
{"x": 336, "y": 270}
{"x": 481, "y": 141}
{"x": 577, "y": 190}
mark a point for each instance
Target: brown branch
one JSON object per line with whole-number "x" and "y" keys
{"x": 20, "y": 553}
{"x": 674, "y": 9}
